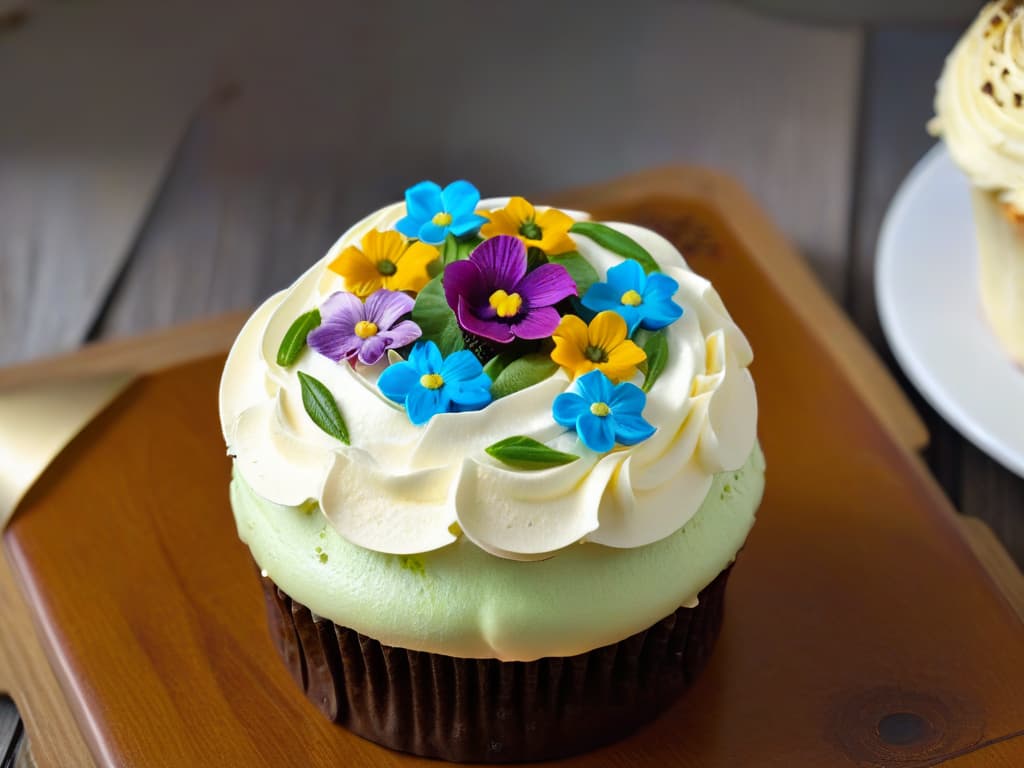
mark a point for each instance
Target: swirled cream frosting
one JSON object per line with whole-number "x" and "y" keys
{"x": 398, "y": 487}
{"x": 979, "y": 102}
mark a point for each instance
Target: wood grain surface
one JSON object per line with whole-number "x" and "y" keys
{"x": 860, "y": 629}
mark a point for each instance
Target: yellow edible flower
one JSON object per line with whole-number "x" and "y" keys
{"x": 547, "y": 230}
{"x": 603, "y": 345}
{"x": 386, "y": 260}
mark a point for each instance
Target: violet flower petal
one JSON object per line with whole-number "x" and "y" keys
{"x": 546, "y": 285}
{"x": 372, "y": 349}
{"x": 538, "y": 323}
{"x": 464, "y": 279}
{"x": 342, "y": 306}
{"x": 488, "y": 329}
{"x": 502, "y": 262}
{"x": 334, "y": 341}
{"x": 384, "y": 307}
{"x": 404, "y": 333}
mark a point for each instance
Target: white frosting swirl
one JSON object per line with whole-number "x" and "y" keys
{"x": 403, "y": 489}
{"x": 979, "y": 101}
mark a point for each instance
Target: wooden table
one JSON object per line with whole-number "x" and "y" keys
{"x": 154, "y": 170}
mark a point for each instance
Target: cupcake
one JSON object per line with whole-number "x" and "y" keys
{"x": 493, "y": 463}
{"x": 979, "y": 113}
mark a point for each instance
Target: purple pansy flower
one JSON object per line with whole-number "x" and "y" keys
{"x": 350, "y": 329}
{"x": 494, "y": 297}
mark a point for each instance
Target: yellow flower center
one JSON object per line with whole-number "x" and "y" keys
{"x": 387, "y": 267}
{"x": 442, "y": 219}
{"x": 600, "y": 409}
{"x": 595, "y": 354}
{"x": 365, "y": 329}
{"x": 431, "y": 380}
{"x": 506, "y": 304}
{"x": 631, "y": 298}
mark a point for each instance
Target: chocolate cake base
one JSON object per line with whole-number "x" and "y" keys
{"x": 485, "y": 710}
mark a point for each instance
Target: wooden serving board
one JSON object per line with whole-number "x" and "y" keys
{"x": 860, "y": 629}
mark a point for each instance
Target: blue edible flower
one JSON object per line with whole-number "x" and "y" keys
{"x": 433, "y": 213}
{"x": 642, "y": 300}
{"x": 603, "y": 413}
{"x": 428, "y": 383}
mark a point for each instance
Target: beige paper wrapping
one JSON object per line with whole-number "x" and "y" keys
{"x": 37, "y": 421}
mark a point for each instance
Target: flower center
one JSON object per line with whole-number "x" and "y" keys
{"x": 600, "y": 409}
{"x": 442, "y": 219}
{"x": 506, "y": 304}
{"x": 530, "y": 230}
{"x": 631, "y": 298}
{"x": 365, "y": 329}
{"x": 386, "y": 267}
{"x": 595, "y": 354}
{"x": 431, "y": 380}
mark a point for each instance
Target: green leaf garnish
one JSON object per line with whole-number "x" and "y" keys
{"x": 495, "y": 366}
{"x": 616, "y": 242}
{"x": 454, "y": 249}
{"x": 579, "y": 269}
{"x": 451, "y": 339}
{"x": 534, "y": 258}
{"x": 526, "y": 453}
{"x": 523, "y": 373}
{"x": 655, "y": 344}
{"x": 436, "y": 319}
{"x": 294, "y": 340}
{"x": 322, "y": 407}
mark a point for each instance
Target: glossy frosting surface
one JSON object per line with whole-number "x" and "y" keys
{"x": 403, "y": 489}
{"x": 461, "y": 601}
{"x": 979, "y": 102}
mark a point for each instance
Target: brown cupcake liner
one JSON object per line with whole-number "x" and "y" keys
{"x": 485, "y": 710}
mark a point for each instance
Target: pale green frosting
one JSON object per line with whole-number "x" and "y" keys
{"x": 461, "y": 601}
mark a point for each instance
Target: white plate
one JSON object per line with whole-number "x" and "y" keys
{"x": 926, "y": 284}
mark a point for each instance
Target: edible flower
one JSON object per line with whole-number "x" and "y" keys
{"x": 495, "y": 298}
{"x": 603, "y": 345}
{"x": 351, "y": 330}
{"x": 433, "y": 212}
{"x": 386, "y": 260}
{"x": 642, "y": 300}
{"x": 602, "y": 413}
{"x": 428, "y": 383}
{"x": 547, "y": 230}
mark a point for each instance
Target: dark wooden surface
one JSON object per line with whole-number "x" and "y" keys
{"x": 860, "y": 630}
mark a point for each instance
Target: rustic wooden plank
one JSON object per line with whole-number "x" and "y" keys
{"x": 25, "y": 672}
{"x": 135, "y": 354}
{"x": 266, "y": 183}
{"x": 84, "y": 141}
{"x": 996, "y": 496}
{"x": 993, "y": 555}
